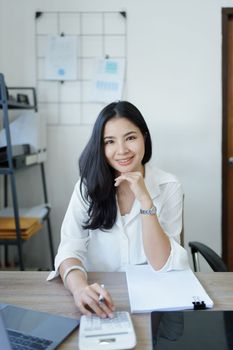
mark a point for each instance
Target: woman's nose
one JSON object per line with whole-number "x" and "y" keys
{"x": 122, "y": 148}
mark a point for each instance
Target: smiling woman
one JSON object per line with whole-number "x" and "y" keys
{"x": 122, "y": 211}
{"x": 125, "y": 150}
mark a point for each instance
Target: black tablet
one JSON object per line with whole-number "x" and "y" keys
{"x": 192, "y": 330}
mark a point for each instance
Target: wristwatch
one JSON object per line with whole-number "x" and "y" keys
{"x": 151, "y": 211}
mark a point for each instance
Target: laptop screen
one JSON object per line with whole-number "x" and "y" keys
{"x": 192, "y": 330}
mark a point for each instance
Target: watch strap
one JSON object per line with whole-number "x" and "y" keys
{"x": 151, "y": 211}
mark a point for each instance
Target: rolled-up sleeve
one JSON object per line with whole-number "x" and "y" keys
{"x": 177, "y": 260}
{"x": 74, "y": 239}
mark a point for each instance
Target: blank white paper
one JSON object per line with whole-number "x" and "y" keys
{"x": 173, "y": 290}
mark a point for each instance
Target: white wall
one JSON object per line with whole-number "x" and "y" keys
{"x": 173, "y": 76}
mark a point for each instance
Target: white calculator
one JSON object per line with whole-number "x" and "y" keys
{"x": 107, "y": 333}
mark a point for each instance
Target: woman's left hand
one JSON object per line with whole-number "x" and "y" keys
{"x": 136, "y": 183}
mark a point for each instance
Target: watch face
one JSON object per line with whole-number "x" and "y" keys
{"x": 153, "y": 210}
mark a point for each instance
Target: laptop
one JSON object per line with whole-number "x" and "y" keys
{"x": 22, "y": 328}
{"x": 192, "y": 330}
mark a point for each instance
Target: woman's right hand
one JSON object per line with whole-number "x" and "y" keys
{"x": 87, "y": 300}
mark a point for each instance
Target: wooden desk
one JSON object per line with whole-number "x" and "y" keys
{"x": 30, "y": 289}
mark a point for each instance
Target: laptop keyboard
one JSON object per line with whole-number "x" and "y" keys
{"x": 21, "y": 341}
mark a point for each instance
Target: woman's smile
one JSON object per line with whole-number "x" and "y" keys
{"x": 125, "y": 162}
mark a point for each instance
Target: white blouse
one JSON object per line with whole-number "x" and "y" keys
{"x": 114, "y": 249}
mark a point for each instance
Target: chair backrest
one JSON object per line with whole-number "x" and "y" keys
{"x": 212, "y": 258}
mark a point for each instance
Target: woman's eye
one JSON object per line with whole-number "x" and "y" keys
{"x": 108, "y": 142}
{"x": 130, "y": 138}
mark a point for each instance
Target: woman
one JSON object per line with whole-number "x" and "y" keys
{"x": 122, "y": 211}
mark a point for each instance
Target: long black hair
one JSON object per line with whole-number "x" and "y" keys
{"x": 97, "y": 176}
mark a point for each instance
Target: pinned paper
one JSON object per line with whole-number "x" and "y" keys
{"x": 107, "y": 84}
{"x": 61, "y": 58}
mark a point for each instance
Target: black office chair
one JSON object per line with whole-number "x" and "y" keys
{"x": 212, "y": 258}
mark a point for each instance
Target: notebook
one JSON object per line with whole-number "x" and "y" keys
{"x": 164, "y": 291}
{"x": 192, "y": 330}
{"x": 24, "y": 326}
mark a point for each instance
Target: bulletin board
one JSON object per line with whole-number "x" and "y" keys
{"x": 99, "y": 35}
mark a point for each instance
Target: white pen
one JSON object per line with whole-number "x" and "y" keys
{"x": 101, "y": 297}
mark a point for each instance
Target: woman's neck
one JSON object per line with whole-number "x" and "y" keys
{"x": 125, "y": 198}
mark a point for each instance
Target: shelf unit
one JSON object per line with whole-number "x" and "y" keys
{"x": 9, "y": 170}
